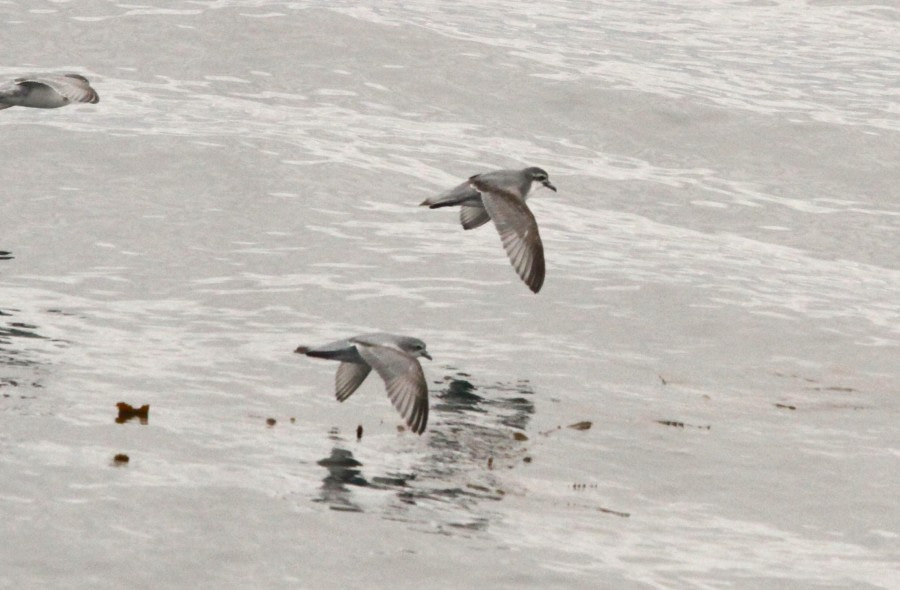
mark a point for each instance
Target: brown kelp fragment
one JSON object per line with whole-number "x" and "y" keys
{"x": 120, "y": 459}
{"x": 786, "y": 406}
{"x": 359, "y": 432}
{"x": 270, "y": 422}
{"x": 583, "y": 425}
{"x": 519, "y": 436}
{"x": 127, "y": 412}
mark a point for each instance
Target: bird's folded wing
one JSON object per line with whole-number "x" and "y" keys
{"x": 348, "y": 379}
{"x": 519, "y": 233}
{"x": 404, "y": 380}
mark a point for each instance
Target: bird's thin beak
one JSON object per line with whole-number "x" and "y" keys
{"x": 428, "y": 356}
{"x": 548, "y": 185}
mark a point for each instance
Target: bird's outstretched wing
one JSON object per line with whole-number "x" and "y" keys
{"x": 72, "y": 86}
{"x": 348, "y": 379}
{"x": 404, "y": 380}
{"x": 472, "y": 216}
{"x": 518, "y": 232}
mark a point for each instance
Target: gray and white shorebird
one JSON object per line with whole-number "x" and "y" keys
{"x": 49, "y": 91}
{"x": 394, "y": 358}
{"x": 500, "y": 196}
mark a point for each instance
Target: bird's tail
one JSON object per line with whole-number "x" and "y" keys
{"x": 441, "y": 201}
{"x": 319, "y": 354}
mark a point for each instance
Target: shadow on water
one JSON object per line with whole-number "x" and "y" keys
{"x": 10, "y": 332}
{"x": 17, "y": 339}
{"x": 16, "y": 366}
{"x": 475, "y": 432}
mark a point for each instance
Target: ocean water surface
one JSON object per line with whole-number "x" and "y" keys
{"x": 722, "y": 302}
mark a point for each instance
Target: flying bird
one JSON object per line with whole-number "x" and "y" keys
{"x": 394, "y": 359}
{"x": 500, "y": 196}
{"x": 47, "y": 91}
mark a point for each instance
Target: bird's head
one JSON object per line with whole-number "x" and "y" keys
{"x": 414, "y": 347}
{"x": 540, "y": 175}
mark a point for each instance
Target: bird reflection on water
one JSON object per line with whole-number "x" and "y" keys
{"x": 343, "y": 471}
{"x": 471, "y": 434}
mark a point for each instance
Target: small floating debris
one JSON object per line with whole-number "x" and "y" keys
{"x": 662, "y": 379}
{"x": 127, "y": 412}
{"x": 359, "y": 432}
{"x": 527, "y": 459}
{"x": 120, "y": 459}
{"x": 490, "y": 463}
{"x": 270, "y": 422}
{"x": 671, "y": 423}
{"x": 293, "y": 420}
{"x": 519, "y": 436}
{"x": 613, "y": 512}
{"x": 583, "y": 425}
{"x": 786, "y": 406}
{"x": 838, "y": 389}
{"x": 678, "y": 424}
{"x": 598, "y": 508}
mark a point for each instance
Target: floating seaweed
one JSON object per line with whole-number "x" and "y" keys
{"x": 128, "y": 412}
